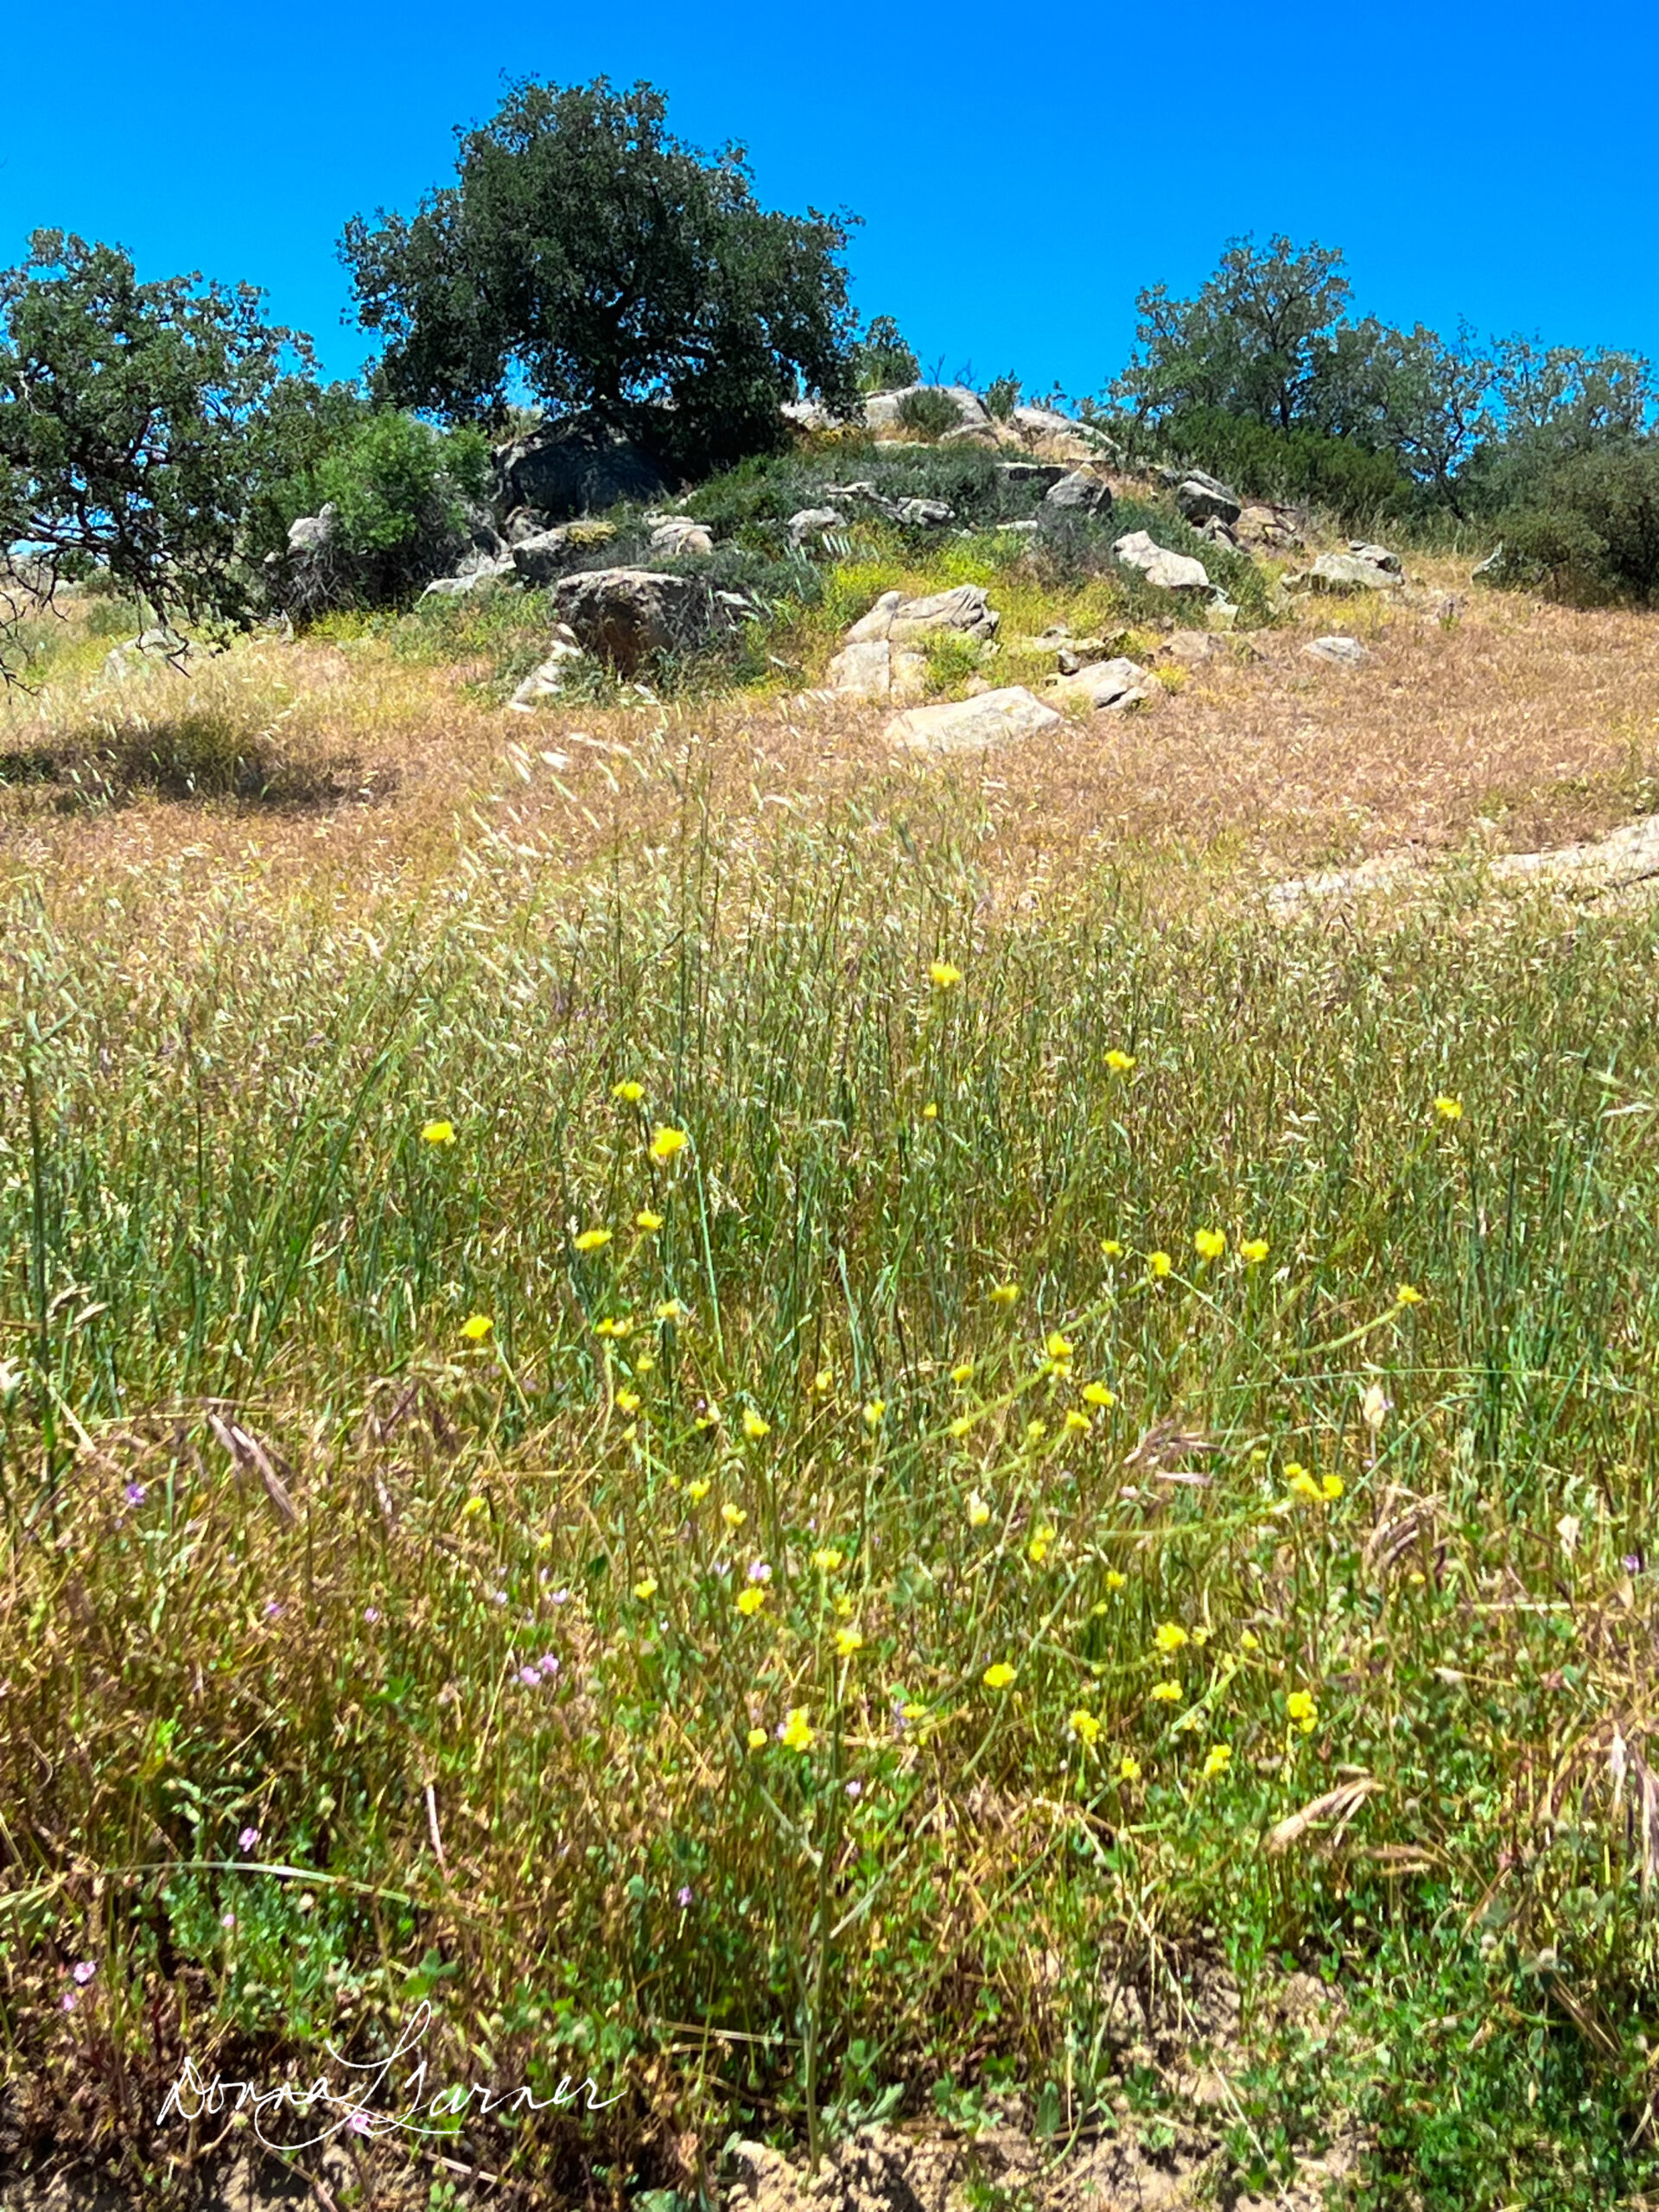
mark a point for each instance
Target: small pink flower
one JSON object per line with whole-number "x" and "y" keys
{"x": 83, "y": 1970}
{"x": 136, "y": 1493}
{"x": 370, "y": 1613}
{"x": 360, "y": 2124}
{"x": 549, "y": 1663}
{"x": 531, "y": 1677}
{"x": 227, "y": 1919}
{"x": 758, "y": 1571}
{"x": 248, "y": 1838}
{"x": 70, "y": 2000}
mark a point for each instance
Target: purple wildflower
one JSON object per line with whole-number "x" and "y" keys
{"x": 685, "y": 1896}
{"x": 136, "y": 1493}
{"x": 531, "y": 1677}
{"x": 360, "y": 2124}
{"x": 248, "y": 1838}
{"x": 560, "y": 1597}
{"x": 854, "y": 1791}
{"x": 227, "y": 1919}
{"x": 549, "y": 1663}
{"x": 372, "y": 1614}
{"x": 499, "y": 1596}
{"x": 758, "y": 1571}
{"x": 83, "y": 1970}
{"x": 273, "y": 1609}
{"x": 70, "y": 2000}
{"x": 1632, "y": 1562}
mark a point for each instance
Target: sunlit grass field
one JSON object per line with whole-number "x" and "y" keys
{"x": 802, "y": 1499}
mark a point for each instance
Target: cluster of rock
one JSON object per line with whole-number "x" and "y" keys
{"x": 878, "y": 657}
{"x": 1363, "y": 568}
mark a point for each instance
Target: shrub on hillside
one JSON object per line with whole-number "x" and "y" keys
{"x": 404, "y": 495}
{"x": 1305, "y": 466}
{"x": 1591, "y": 530}
{"x": 883, "y": 361}
{"x": 929, "y": 411}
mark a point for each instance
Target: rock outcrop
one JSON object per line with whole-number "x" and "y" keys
{"x": 626, "y": 617}
{"x": 977, "y": 725}
{"x": 1168, "y": 571}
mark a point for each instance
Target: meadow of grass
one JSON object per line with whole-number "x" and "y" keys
{"x": 778, "y": 1485}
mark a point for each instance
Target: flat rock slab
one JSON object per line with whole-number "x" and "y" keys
{"x": 1119, "y": 684}
{"x": 972, "y": 725}
{"x": 1345, "y": 652}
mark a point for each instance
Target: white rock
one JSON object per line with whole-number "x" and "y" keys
{"x": 881, "y": 408}
{"x": 1346, "y": 652}
{"x": 972, "y": 725}
{"x": 680, "y": 534}
{"x": 810, "y": 522}
{"x": 964, "y": 608}
{"x": 1102, "y": 684}
{"x": 1169, "y": 571}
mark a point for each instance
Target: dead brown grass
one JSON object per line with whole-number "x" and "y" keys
{"x": 1526, "y": 724}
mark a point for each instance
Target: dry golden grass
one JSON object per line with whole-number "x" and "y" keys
{"x": 1526, "y": 724}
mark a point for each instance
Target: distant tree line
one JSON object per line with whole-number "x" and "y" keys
{"x": 627, "y": 286}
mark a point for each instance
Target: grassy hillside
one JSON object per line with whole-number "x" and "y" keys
{"x": 816, "y": 1438}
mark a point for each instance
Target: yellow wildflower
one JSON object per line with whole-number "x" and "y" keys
{"x": 1034, "y": 1430}
{"x": 750, "y": 1600}
{"x": 1302, "y": 1482}
{"x": 1249, "y": 1641}
{"x": 755, "y": 1426}
{"x": 1161, "y": 1263}
{"x": 1120, "y": 1063}
{"x": 1086, "y": 1728}
{"x": 591, "y": 1240}
{"x": 1170, "y": 1637}
{"x": 1038, "y": 1549}
{"x": 929, "y": 1112}
{"x": 827, "y": 1561}
{"x": 1114, "y": 1580}
{"x": 874, "y": 1411}
{"x": 733, "y": 1515}
{"x": 1301, "y": 1708}
{"x": 963, "y": 1372}
{"x": 844, "y": 1607}
{"x": 757, "y": 1739}
{"x": 646, "y": 1589}
{"x": 476, "y": 1327}
{"x": 1449, "y": 1109}
{"x": 611, "y": 1326}
{"x": 666, "y": 1143}
{"x": 1077, "y": 1420}
{"x": 942, "y": 974}
{"x": 1254, "y": 1249}
{"x": 671, "y": 1310}
{"x": 628, "y": 1400}
{"x": 798, "y": 1735}
{"x": 824, "y": 1381}
{"x": 650, "y": 1222}
{"x": 998, "y": 1676}
{"x": 848, "y": 1639}
{"x": 1110, "y": 1248}
{"x": 1209, "y": 1243}
{"x": 474, "y": 1507}
{"x": 1128, "y": 1768}
{"x": 437, "y": 1132}
{"x": 628, "y": 1092}
{"x": 698, "y": 1490}
{"x": 1057, "y": 1347}
{"x": 1166, "y": 1692}
{"x": 1005, "y": 1293}
{"x": 1096, "y": 1393}
{"x": 961, "y": 1425}
{"x": 1407, "y": 1294}
{"x": 978, "y": 1511}
{"x": 1330, "y": 1487}
{"x": 1217, "y": 1760}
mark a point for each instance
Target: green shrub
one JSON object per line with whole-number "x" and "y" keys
{"x": 884, "y": 360}
{"x": 401, "y": 491}
{"x": 1308, "y": 466}
{"x": 1592, "y": 530}
{"x": 1002, "y": 397}
{"x": 929, "y": 411}
{"x": 951, "y": 659}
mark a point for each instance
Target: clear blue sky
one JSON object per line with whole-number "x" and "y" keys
{"x": 1021, "y": 172}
